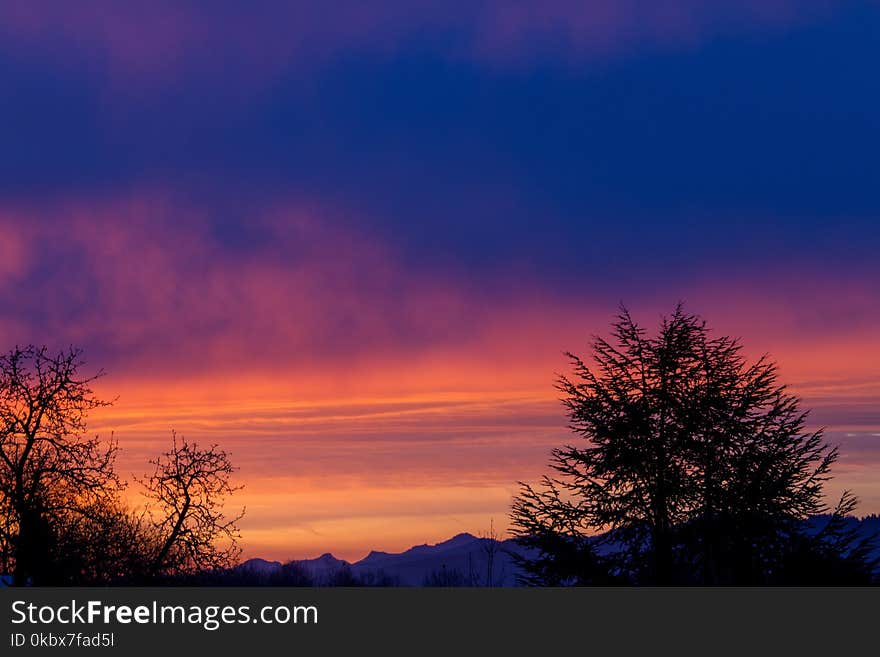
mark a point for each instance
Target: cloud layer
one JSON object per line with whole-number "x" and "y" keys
{"x": 351, "y": 246}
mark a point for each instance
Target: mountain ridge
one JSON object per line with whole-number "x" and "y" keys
{"x": 462, "y": 560}
{"x": 459, "y": 560}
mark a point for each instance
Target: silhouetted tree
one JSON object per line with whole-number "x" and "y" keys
{"x": 342, "y": 576}
{"x": 292, "y": 573}
{"x": 49, "y": 469}
{"x": 445, "y": 577}
{"x": 187, "y": 490}
{"x": 696, "y": 467}
{"x": 491, "y": 547}
{"x": 555, "y": 537}
{"x": 378, "y": 578}
{"x": 106, "y": 544}
{"x": 62, "y": 518}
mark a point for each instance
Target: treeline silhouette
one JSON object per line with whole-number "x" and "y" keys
{"x": 692, "y": 466}
{"x": 63, "y": 520}
{"x": 292, "y": 573}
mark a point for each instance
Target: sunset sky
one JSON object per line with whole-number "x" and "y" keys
{"x": 351, "y": 245}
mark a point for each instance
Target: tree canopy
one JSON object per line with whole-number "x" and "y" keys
{"x": 694, "y": 466}
{"x": 63, "y": 519}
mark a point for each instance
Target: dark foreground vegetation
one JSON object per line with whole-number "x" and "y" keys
{"x": 63, "y": 520}
{"x": 691, "y": 466}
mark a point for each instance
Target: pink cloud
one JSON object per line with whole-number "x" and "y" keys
{"x": 13, "y": 251}
{"x": 339, "y": 377}
{"x": 145, "y": 281}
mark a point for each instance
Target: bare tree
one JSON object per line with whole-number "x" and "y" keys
{"x": 109, "y": 544}
{"x": 491, "y": 547}
{"x": 48, "y": 466}
{"x": 188, "y": 488}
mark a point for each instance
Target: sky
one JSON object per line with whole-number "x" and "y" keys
{"x": 351, "y": 246}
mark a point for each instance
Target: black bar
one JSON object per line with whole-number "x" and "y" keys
{"x": 452, "y": 621}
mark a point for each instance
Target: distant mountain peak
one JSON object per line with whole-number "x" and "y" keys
{"x": 326, "y": 560}
{"x": 458, "y": 539}
{"x": 258, "y": 565}
{"x": 461, "y": 556}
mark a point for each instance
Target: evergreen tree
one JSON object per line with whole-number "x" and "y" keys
{"x": 695, "y": 467}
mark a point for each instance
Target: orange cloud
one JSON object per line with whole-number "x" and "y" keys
{"x": 370, "y": 405}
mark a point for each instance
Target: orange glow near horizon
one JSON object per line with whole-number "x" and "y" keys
{"x": 352, "y": 248}
{"x": 370, "y": 404}
{"x": 388, "y": 455}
